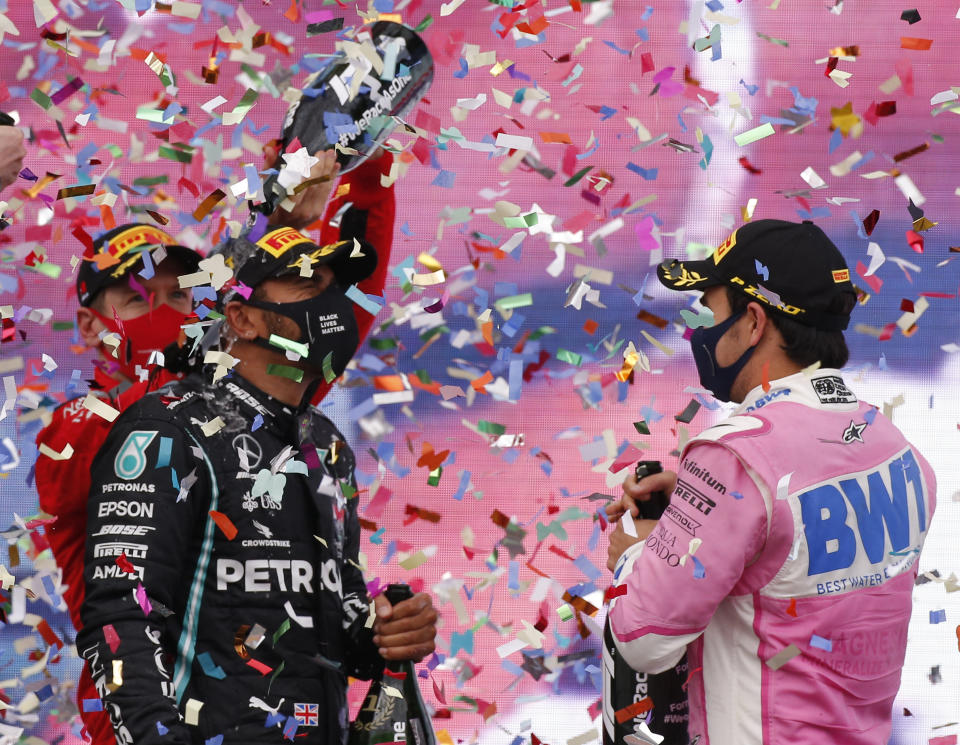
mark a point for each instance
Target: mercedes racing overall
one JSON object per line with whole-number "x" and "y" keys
{"x": 223, "y": 593}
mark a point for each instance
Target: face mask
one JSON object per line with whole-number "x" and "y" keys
{"x": 152, "y": 331}
{"x": 327, "y": 326}
{"x": 703, "y": 342}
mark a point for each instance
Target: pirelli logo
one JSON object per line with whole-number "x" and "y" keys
{"x": 139, "y": 235}
{"x": 278, "y": 242}
{"x": 724, "y": 248}
{"x": 841, "y": 275}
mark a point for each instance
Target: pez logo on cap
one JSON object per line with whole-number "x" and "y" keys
{"x": 278, "y": 242}
{"x": 724, "y": 248}
{"x": 841, "y": 275}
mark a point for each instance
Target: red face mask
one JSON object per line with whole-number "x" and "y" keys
{"x": 152, "y": 331}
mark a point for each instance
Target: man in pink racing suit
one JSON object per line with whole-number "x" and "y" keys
{"x": 785, "y": 562}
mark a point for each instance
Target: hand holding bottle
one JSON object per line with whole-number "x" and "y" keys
{"x": 407, "y": 630}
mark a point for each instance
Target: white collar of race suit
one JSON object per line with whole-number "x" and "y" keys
{"x": 822, "y": 389}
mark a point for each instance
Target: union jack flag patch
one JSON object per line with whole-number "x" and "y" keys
{"x": 307, "y": 715}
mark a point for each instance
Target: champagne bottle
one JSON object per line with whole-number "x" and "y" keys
{"x": 394, "y": 709}
{"x": 623, "y": 686}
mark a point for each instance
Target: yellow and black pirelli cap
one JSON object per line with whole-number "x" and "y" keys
{"x": 791, "y": 268}
{"x": 284, "y": 251}
{"x": 118, "y": 252}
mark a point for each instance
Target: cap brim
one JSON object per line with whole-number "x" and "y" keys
{"x": 351, "y": 262}
{"x": 687, "y": 275}
{"x": 186, "y": 256}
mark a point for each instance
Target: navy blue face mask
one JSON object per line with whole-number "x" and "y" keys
{"x": 718, "y": 380}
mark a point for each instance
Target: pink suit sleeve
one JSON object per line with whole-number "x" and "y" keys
{"x": 715, "y": 525}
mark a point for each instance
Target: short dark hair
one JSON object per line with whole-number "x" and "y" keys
{"x": 804, "y": 344}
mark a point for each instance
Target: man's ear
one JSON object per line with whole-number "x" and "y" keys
{"x": 247, "y": 322}
{"x": 89, "y": 326}
{"x": 759, "y": 322}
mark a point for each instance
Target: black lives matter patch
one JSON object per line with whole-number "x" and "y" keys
{"x": 831, "y": 389}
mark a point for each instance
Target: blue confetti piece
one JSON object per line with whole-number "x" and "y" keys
{"x": 445, "y": 178}
{"x": 377, "y": 538}
{"x": 95, "y": 704}
{"x": 938, "y": 616}
{"x": 594, "y": 537}
{"x": 870, "y": 415}
{"x": 587, "y": 567}
{"x": 648, "y": 174}
{"x": 513, "y": 575}
{"x": 835, "y": 140}
{"x": 820, "y": 643}
{"x": 464, "y": 69}
{"x": 161, "y": 729}
{"x": 643, "y": 34}
{"x": 210, "y": 668}
{"x": 624, "y": 52}
{"x": 736, "y": 495}
{"x": 163, "y": 456}
{"x": 215, "y": 740}
{"x": 47, "y": 581}
{"x": 273, "y": 719}
{"x": 461, "y": 640}
{"x": 863, "y": 161}
{"x": 405, "y": 229}
{"x": 257, "y": 423}
{"x": 707, "y": 146}
{"x": 290, "y": 728}
{"x": 803, "y": 105}
{"x": 751, "y": 89}
{"x": 462, "y": 486}
{"x": 698, "y": 571}
{"x": 44, "y": 693}
{"x": 715, "y": 5}
{"x": 762, "y": 271}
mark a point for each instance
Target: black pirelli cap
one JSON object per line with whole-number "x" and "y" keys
{"x": 792, "y": 268}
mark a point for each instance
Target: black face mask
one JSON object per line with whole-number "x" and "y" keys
{"x": 716, "y": 379}
{"x": 327, "y": 325}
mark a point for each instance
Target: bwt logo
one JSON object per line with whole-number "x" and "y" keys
{"x": 880, "y": 501}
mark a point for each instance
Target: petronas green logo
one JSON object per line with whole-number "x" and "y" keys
{"x": 131, "y": 460}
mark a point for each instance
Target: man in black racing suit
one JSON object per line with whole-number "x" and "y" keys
{"x": 224, "y": 601}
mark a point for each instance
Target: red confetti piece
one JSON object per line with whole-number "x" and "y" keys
{"x": 751, "y": 168}
{"x": 225, "y": 524}
{"x": 124, "y": 563}
{"x": 614, "y": 591}
{"x": 792, "y": 608}
{"x": 919, "y": 45}
{"x": 636, "y": 709}
{"x": 915, "y": 240}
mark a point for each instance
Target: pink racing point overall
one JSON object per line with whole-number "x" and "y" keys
{"x": 784, "y": 565}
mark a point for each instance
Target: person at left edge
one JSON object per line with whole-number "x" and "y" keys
{"x": 366, "y": 210}
{"x": 223, "y": 590}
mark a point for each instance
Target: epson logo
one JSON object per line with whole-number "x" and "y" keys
{"x": 125, "y": 509}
